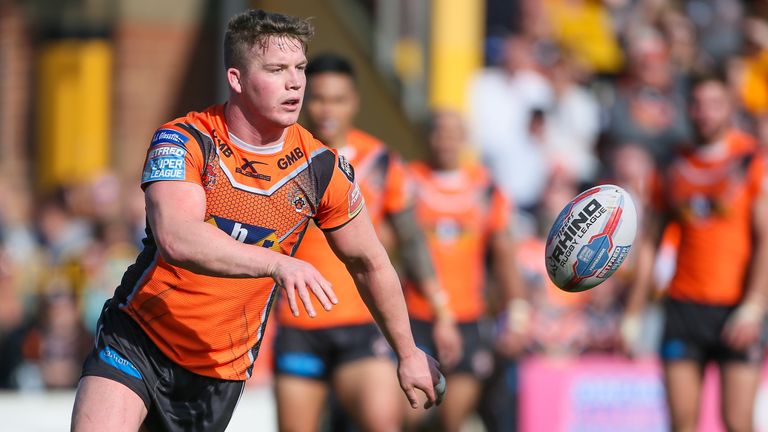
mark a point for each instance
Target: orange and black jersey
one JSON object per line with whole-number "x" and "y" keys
{"x": 459, "y": 212}
{"x": 711, "y": 199}
{"x": 382, "y": 179}
{"x": 265, "y": 197}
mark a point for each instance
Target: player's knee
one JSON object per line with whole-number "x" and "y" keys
{"x": 738, "y": 420}
{"x": 683, "y": 424}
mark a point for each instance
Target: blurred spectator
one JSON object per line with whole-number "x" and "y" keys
{"x": 63, "y": 234}
{"x": 501, "y": 102}
{"x": 572, "y": 122}
{"x": 584, "y": 28}
{"x": 749, "y": 72}
{"x": 718, "y": 26}
{"x": 649, "y": 107}
{"x": 48, "y": 351}
{"x": 103, "y": 265}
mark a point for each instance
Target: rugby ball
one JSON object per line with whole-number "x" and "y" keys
{"x": 590, "y": 238}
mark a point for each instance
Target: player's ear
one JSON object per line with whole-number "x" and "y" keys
{"x": 233, "y": 78}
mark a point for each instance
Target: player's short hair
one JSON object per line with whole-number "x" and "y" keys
{"x": 330, "y": 63}
{"x": 256, "y": 26}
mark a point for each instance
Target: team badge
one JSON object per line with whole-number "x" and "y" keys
{"x": 346, "y": 168}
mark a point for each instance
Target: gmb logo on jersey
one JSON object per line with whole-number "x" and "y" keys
{"x": 248, "y": 234}
{"x": 165, "y": 162}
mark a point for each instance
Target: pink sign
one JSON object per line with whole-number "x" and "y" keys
{"x": 598, "y": 394}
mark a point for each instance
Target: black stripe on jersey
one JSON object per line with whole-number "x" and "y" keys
{"x": 321, "y": 168}
{"x": 134, "y": 273}
{"x": 207, "y": 147}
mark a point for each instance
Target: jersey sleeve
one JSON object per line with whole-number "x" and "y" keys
{"x": 499, "y": 211}
{"x": 173, "y": 155}
{"x": 397, "y": 193}
{"x": 342, "y": 199}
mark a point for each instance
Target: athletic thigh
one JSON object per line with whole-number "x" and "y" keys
{"x": 739, "y": 383}
{"x": 104, "y": 404}
{"x": 300, "y": 402}
{"x": 460, "y": 401}
{"x": 683, "y": 382}
{"x": 368, "y": 390}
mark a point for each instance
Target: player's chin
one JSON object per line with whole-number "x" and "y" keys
{"x": 285, "y": 119}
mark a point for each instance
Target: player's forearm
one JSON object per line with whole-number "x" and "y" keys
{"x": 204, "y": 249}
{"x": 757, "y": 285}
{"x": 379, "y": 287}
{"x": 413, "y": 247}
{"x": 641, "y": 286}
{"x": 505, "y": 268}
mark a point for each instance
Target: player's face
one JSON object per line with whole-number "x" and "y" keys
{"x": 332, "y": 104}
{"x": 710, "y": 110}
{"x": 272, "y": 85}
{"x": 447, "y": 140}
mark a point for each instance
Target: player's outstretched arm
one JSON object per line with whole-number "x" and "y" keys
{"x": 358, "y": 247}
{"x": 176, "y": 212}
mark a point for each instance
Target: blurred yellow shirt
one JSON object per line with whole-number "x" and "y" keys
{"x": 583, "y": 28}
{"x": 754, "y": 83}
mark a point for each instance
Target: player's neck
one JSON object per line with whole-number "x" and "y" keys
{"x": 254, "y": 134}
{"x": 713, "y": 147}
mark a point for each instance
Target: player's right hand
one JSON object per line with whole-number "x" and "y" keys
{"x": 448, "y": 342}
{"x": 298, "y": 277}
{"x": 420, "y": 371}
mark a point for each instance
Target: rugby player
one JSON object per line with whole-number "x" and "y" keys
{"x": 344, "y": 347}
{"x": 465, "y": 218}
{"x": 716, "y": 191}
{"x": 229, "y": 193}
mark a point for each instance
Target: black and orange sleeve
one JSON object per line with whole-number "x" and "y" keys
{"x": 173, "y": 155}
{"x": 342, "y": 199}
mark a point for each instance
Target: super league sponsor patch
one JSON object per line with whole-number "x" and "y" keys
{"x": 165, "y": 162}
{"x": 356, "y": 202}
{"x": 169, "y": 136}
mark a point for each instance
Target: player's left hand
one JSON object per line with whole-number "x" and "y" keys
{"x": 744, "y": 326}
{"x": 422, "y": 372}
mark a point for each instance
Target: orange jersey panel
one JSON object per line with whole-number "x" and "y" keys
{"x": 381, "y": 177}
{"x": 212, "y": 325}
{"x": 458, "y": 211}
{"x": 712, "y": 202}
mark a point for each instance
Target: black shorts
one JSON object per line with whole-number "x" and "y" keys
{"x": 477, "y": 359}
{"x": 316, "y": 354}
{"x": 693, "y": 331}
{"x": 176, "y": 399}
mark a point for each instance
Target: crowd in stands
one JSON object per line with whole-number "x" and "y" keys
{"x": 586, "y": 92}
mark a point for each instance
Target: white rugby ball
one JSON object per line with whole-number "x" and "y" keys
{"x": 591, "y": 238}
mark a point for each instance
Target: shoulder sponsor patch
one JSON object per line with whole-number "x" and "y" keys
{"x": 169, "y": 136}
{"x": 346, "y": 168}
{"x": 165, "y": 162}
{"x": 356, "y": 201}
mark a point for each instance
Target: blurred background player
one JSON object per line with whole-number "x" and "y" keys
{"x": 716, "y": 192}
{"x": 344, "y": 348}
{"x": 465, "y": 218}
